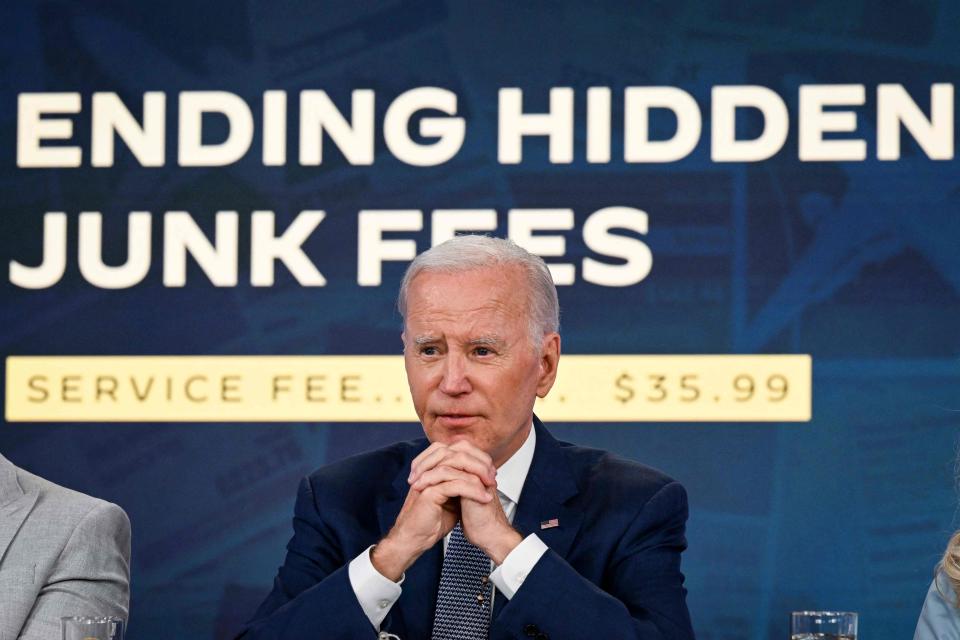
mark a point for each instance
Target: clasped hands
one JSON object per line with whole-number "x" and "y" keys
{"x": 448, "y": 483}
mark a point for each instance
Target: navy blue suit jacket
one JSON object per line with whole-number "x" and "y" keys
{"x": 612, "y": 570}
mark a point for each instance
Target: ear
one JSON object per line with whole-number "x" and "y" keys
{"x": 549, "y": 361}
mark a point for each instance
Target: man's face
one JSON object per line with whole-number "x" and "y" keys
{"x": 472, "y": 371}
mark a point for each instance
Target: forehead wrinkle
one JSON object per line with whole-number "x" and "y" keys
{"x": 442, "y": 312}
{"x": 488, "y": 318}
{"x": 432, "y": 298}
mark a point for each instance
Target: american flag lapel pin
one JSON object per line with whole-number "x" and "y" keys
{"x": 550, "y": 524}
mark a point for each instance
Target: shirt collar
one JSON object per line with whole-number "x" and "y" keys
{"x": 513, "y": 473}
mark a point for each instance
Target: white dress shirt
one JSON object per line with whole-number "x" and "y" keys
{"x": 377, "y": 593}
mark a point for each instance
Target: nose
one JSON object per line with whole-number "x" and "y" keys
{"x": 455, "y": 380}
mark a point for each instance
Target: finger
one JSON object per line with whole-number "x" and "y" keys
{"x": 439, "y": 474}
{"x": 467, "y": 461}
{"x": 491, "y": 493}
{"x": 426, "y": 453}
{"x": 430, "y": 457}
{"x": 471, "y": 488}
{"x": 428, "y": 461}
{"x": 475, "y": 451}
{"x": 459, "y": 460}
{"x": 478, "y": 454}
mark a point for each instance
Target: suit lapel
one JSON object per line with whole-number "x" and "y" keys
{"x": 550, "y": 484}
{"x": 15, "y": 505}
{"x": 412, "y": 615}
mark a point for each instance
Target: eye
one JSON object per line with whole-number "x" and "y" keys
{"x": 428, "y": 351}
{"x": 483, "y": 351}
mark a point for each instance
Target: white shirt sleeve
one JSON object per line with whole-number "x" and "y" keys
{"x": 517, "y": 565}
{"x": 375, "y": 592}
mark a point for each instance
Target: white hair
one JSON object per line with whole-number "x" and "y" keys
{"x": 468, "y": 252}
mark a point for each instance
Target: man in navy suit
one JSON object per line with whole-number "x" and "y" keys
{"x": 573, "y": 542}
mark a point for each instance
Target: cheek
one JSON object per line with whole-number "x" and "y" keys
{"x": 522, "y": 377}
{"x": 417, "y": 379}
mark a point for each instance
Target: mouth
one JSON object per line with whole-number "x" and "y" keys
{"x": 454, "y": 420}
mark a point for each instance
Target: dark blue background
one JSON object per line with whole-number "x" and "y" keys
{"x": 854, "y": 263}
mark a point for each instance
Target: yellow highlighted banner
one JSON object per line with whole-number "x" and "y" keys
{"x": 589, "y": 388}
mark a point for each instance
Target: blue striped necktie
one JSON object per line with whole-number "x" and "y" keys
{"x": 463, "y": 599}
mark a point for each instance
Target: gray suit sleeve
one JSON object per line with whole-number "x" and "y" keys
{"x": 91, "y": 576}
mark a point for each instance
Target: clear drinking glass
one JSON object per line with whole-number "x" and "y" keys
{"x": 823, "y": 625}
{"x": 92, "y": 628}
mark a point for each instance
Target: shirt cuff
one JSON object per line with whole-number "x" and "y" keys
{"x": 518, "y": 564}
{"x": 375, "y": 592}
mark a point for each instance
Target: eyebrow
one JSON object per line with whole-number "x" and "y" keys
{"x": 488, "y": 340}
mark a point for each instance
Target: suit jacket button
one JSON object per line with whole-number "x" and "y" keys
{"x": 531, "y": 630}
